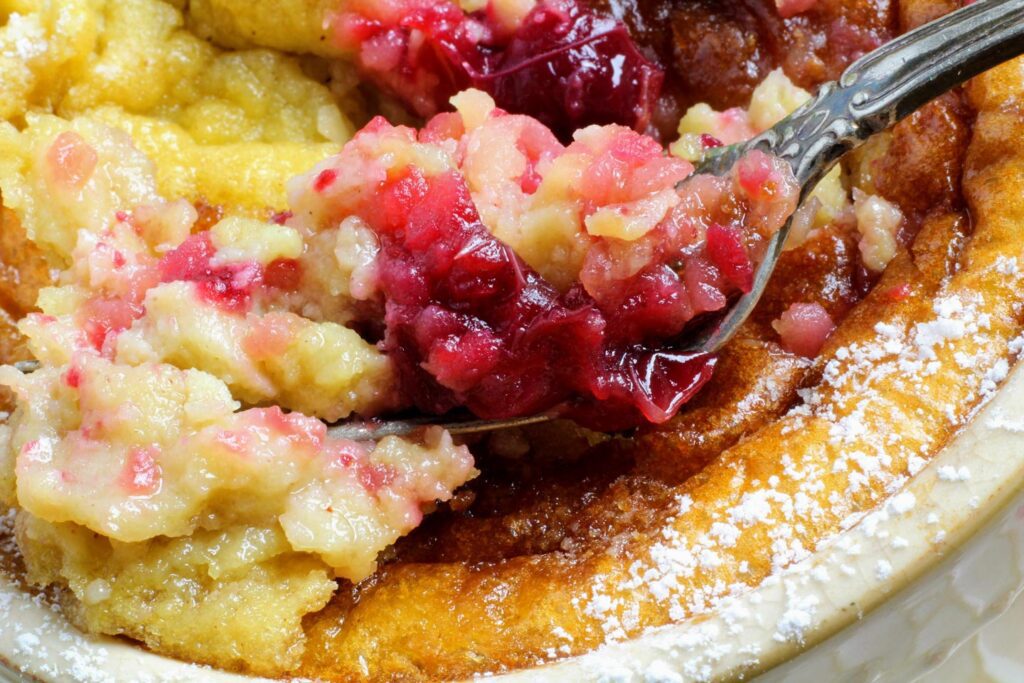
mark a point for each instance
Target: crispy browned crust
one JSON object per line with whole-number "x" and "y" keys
{"x": 717, "y": 52}
{"x": 23, "y": 270}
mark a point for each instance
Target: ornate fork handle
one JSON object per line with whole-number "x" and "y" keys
{"x": 875, "y": 92}
{"x": 895, "y": 80}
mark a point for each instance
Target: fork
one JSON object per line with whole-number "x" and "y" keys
{"x": 876, "y": 91}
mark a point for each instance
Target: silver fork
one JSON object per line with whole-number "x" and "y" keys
{"x": 875, "y": 92}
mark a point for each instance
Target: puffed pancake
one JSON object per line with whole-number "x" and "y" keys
{"x": 214, "y": 250}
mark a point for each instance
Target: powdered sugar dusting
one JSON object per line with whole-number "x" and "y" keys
{"x": 1000, "y": 419}
{"x": 873, "y": 406}
{"x": 954, "y": 474}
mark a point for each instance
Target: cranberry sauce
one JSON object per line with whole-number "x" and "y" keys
{"x": 563, "y": 63}
{"x": 230, "y": 286}
{"x": 469, "y": 323}
{"x": 607, "y": 257}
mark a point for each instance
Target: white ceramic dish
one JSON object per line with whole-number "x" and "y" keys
{"x": 888, "y": 599}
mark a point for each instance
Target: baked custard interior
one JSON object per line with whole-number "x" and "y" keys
{"x": 199, "y": 324}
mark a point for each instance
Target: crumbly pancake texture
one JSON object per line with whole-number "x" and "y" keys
{"x": 225, "y": 127}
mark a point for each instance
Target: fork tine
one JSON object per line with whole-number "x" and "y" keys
{"x": 369, "y": 431}
{"x": 27, "y": 366}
